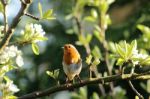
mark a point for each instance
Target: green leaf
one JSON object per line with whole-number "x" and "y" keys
{"x": 82, "y": 40}
{"x": 12, "y": 97}
{"x": 50, "y": 74}
{"x": 42, "y": 38}
{"x": 148, "y": 86}
{"x": 103, "y": 6}
{"x": 89, "y": 18}
{"x": 136, "y": 97}
{"x": 94, "y": 13}
{"x": 7, "y": 79}
{"x": 83, "y": 92}
{"x": 145, "y": 61}
{"x": 143, "y": 28}
{"x": 88, "y": 38}
{"x": 132, "y": 48}
{"x": 88, "y": 59}
{"x": 48, "y": 13}
{"x": 126, "y": 49}
{"x": 35, "y": 48}
{"x": 56, "y": 73}
{"x": 96, "y": 52}
{"x": 96, "y": 62}
{"x": 95, "y": 96}
{"x": 50, "y": 18}
{"x": 1, "y": 8}
{"x": 112, "y": 47}
{"x": 120, "y": 51}
{"x": 120, "y": 62}
{"x": 40, "y": 9}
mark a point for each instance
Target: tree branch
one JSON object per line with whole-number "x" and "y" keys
{"x": 133, "y": 88}
{"x": 32, "y": 16}
{"x": 112, "y": 78}
{"x": 14, "y": 23}
{"x": 4, "y": 2}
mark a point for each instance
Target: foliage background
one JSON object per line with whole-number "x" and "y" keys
{"x": 125, "y": 15}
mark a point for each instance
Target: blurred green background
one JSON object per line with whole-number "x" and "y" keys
{"x": 125, "y": 15}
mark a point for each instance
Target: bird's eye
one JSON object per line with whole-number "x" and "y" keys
{"x": 68, "y": 46}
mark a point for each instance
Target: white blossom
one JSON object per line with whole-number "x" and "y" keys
{"x": 33, "y": 33}
{"x": 10, "y": 53}
{"x": 19, "y": 61}
{"x": 13, "y": 88}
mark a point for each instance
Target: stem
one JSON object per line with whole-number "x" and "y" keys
{"x": 32, "y": 16}
{"x": 88, "y": 51}
{"x": 136, "y": 92}
{"x": 5, "y": 15}
{"x": 14, "y": 23}
{"x": 62, "y": 87}
{"x": 103, "y": 25}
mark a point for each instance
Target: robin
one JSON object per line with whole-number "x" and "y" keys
{"x": 72, "y": 62}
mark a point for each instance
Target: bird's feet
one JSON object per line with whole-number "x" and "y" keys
{"x": 78, "y": 77}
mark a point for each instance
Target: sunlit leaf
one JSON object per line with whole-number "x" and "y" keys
{"x": 94, "y": 13}
{"x": 120, "y": 50}
{"x": 50, "y": 74}
{"x": 148, "y": 86}
{"x": 56, "y": 73}
{"x": 96, "y": 52}
{"x": 120, "y": 62}
{"x": 12, "y": 97}
{"x": 88, "y": 38}
{"x": 132, "y": 48}
{"x": 95, "y": 96}
{"x": 40, "y": 9}
{"x": 48, "y": 13}
{"x": 89, "y": 18}
{"x": 143, "y": 28}
{"x": 35, "y": 48}
{"x": 88, "y": 59}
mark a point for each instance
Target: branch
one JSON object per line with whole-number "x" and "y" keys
{"x": 4, "y": 2}
{"x": 101, "y": 80}
{"x": 14, "y": 23}
{"x": 32, "y": 16}
{"x": 133, "y": 88}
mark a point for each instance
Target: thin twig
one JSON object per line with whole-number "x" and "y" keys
{"x": 136, "y": 92}
{"x": 62, "y": 87}
{"x": 14, "y": 23}
{"x": 88, "y": 51}
{"x": 32, "y": 16}
{"x": 5, "y": 15}
{"x": 102, "y": 25}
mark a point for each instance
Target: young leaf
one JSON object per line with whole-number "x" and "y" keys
{"x": 50, "y": 74}
{"x": 42, "y": 38}
{"x": 56, "y": 73}
{"x": 96, "y": 52}
{"x": 132, "y": 48}
{"x": 88, "y": 59}
{"x": 35, "y": 48}
{"x": 120, "y": 62}
{"x": 40, "y": 9}
{"x": 145, "y": 61}
{"x": 120, "y": 51}
{"x": 95, "y": 96}
{"x": 47, "y": 14}
{"x": 143, "y": 28}
{"x": 88, "y": 38}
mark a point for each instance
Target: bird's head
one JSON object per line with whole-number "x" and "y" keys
{"x": 71, "y": 53}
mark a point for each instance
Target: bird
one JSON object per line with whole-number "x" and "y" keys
{"x": 72, "y": 63}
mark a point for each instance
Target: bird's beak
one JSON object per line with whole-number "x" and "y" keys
{"x": 62, "y": 47}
